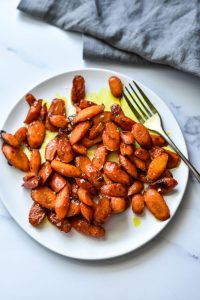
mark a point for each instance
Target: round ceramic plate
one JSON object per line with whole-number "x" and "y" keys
{"x": 125, "y": 232}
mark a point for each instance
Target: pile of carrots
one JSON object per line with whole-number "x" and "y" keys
{"x": 73, "y": 191}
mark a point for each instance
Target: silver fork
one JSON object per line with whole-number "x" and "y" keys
{"x": 146, "y": 113}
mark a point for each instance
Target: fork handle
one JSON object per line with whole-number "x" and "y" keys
{"x": 190, "y": 166}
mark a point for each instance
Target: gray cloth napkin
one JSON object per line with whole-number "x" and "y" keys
{"x": 134, "y": 31}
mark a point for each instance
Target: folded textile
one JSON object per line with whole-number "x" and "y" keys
{"x": 136, "y": 31}
{"x": 94, "y": 48}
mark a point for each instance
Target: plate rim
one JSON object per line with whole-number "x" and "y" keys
{"x": 166, "y": 222}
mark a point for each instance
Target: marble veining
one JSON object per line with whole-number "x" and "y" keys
{"x": 190, "y": 126}
{"x": 181, "y": 249}
{"x": 23, "y": 56}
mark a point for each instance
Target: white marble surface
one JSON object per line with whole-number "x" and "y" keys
{"x": 166, "y": 268}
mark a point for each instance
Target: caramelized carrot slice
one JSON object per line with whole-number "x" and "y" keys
{"x": 89, "y": 143}
{"x": 65, "y": 169}
{"x": 155, "y": 151}
{"x": 20, "y": 134}
{"x": 104, "y": 117}
{"x": 87, "y": 212}
{"x": 111, "y": 137}
{"x": 10, "y": 139}
{"x": 140, "y": 164}
{"x": 32, "y": 182}
{"x": 116, "y": 173}
{"x": 100, "y": 157}
{"x": 102, "y": 211}
{"x": 63, "y": 225}
{"x": 45, "y": 172}
{"x": 57, "y": 182}
{"x": 88, "y": 113}
{"x": 57, "y": 107}
{"x": 43, "y": 112}
{"x": 142, "y": 154}
{"x": 81, "y": 162}
{"x": 156, "y": 205}
{"x": 35, "y": 161}
{"x": 44, "y": 196}
{"x": 30, "y": 99}
{"x": 164, "y": 185}
{"x": 114, "y": 190}
{"x": 157, "y": 167}
{"x": 74, "y": 208}
{"x": 79, "y": 148}
{"x": 82, "y": 225}
{"x": 62, "y": 202}
{"x": 84, "y": 103}
{"x": 16, "y": 157}
{"x": 35, "y": 134}
{"x": 37, "y": 214}
{"x": 116, "y": 86}
{"x": 107, "y": 179}
{"x": 78, "y": 89}
{"x": 127, "y": 137}
{"x": 118, "y": 205}
{"x": 74, "y": 190}
{"x": 64, "y": 149}
{"x": 128, "y": 166}
{"x": 141, "y": 135}
{"x": 126, "y": 149}
{"x": 94, "y": 176}
{"x": 120, "y": 119}
{"x": 79, "y": 131}
{"x": 85, "y": 196}
{"x": 51, "y": 149}
{"x": 158, "y": 140}
{"x": 135, "y": 188}
{"x": 34, "y": 112}
{"x": 96, "y": 130}
{"x": 58, "y": 121}
{"x": 49, "y": 126}
{"x": 138, "y": 204}
{"x": 173, "y": 159}
{"x": 86, "y": 185}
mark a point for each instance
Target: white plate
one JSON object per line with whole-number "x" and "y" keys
{"x": 122, "y": 236}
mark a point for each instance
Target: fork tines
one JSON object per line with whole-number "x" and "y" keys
{"x": 141, "y": 106}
